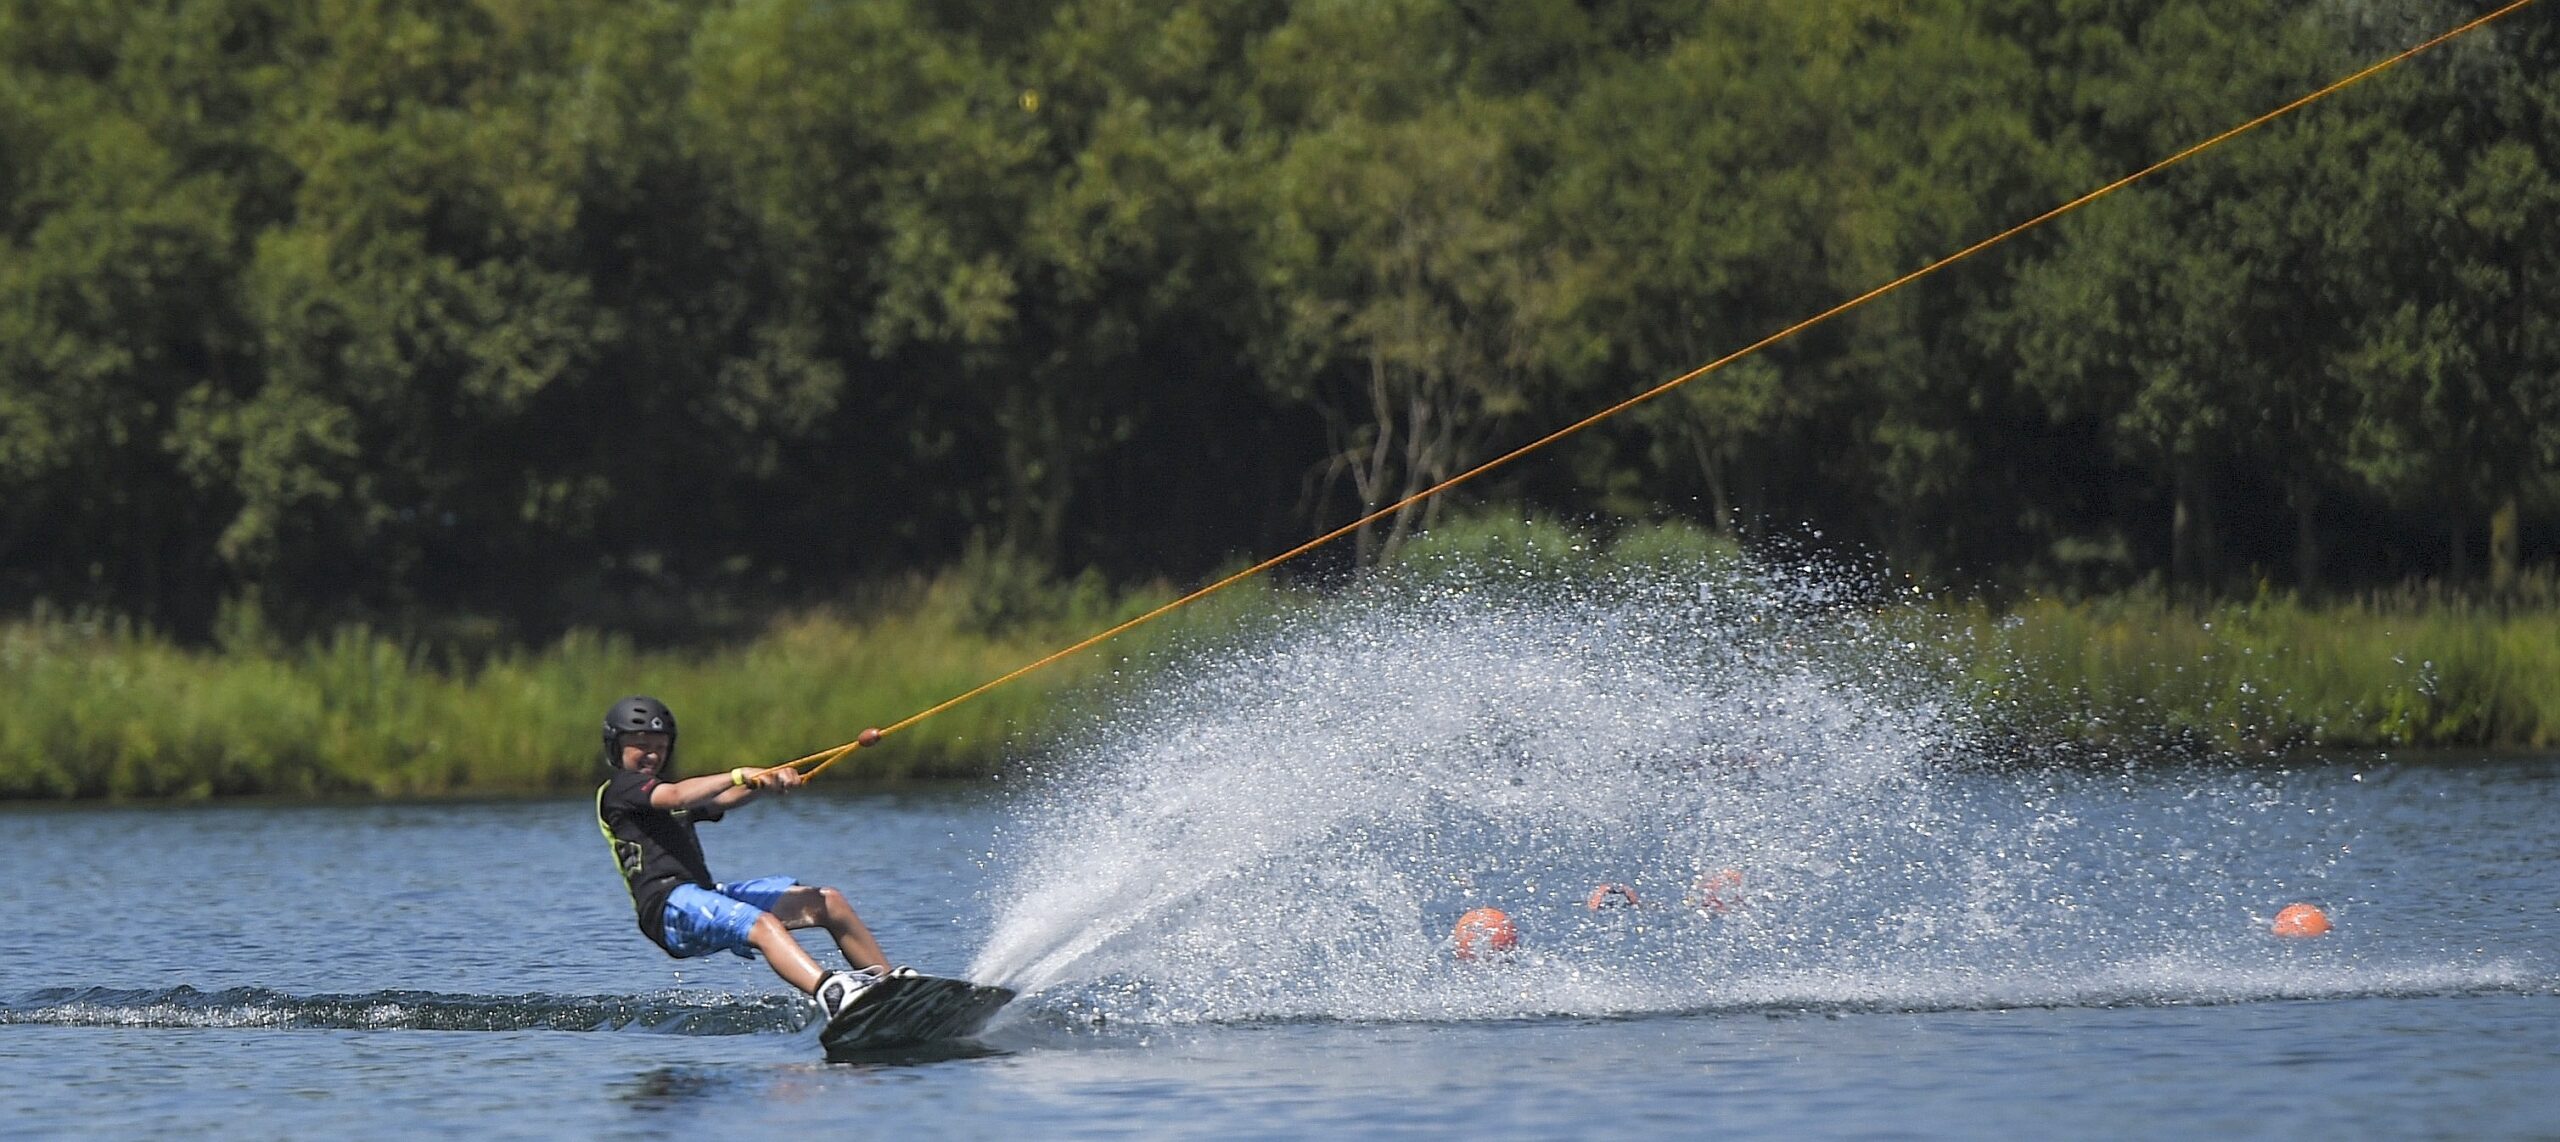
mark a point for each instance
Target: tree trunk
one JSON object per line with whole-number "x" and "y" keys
{"x": 2457, "y": 556}
{"x": 1037, "y": 478}
{"x": 1719, "y": 500}
{"x": 1369, "y": 472}
{"x": 1421, "y": 462}
{"x": 2191, "y": 562}
{"x": 2306, "y": 536}
{"x": 2504, "y": 548}
{"x": 1751, "y": 505}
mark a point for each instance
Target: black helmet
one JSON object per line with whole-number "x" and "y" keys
{"x": 638, "y": 714}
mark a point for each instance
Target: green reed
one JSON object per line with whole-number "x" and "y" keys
{"x": 2416, "y": 667}
{"x": 97, "y": 707}
{"x": 101, "y": 708}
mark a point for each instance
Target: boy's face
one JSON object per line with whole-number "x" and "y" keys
{"x": 644, "y": 752}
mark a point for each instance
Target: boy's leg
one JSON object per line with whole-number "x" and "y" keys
{"x": 700, "y": 922}
{"x": 807, "y": 907}
{"x": 790, "y": 961}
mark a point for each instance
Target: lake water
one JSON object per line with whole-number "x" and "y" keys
{"x": 471, "y": 969}
{"x": 1230, "y": 911}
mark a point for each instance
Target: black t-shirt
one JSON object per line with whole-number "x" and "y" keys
{"x": 654, "y": 848}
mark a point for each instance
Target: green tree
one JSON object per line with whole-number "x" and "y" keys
{"x": 414, "y": 304}
{"x": 2456, "y": 363}
{"x": 1124, "y": 381}
{"x": 130, "y": 190}
{"x": 1407, "y": 297}
{"x": 883, "y": 166}
{"x": 1417, "y": 311}
{"x": 1691, "y": 170}
{"x": 2195, "y": 319}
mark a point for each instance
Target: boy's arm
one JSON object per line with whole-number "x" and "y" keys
{"x": 721, "y": 790}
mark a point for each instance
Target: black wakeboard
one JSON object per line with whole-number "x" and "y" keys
{"x": 904, "y": 1011}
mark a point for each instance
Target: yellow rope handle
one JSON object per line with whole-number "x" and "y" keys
{"x": 824, "y": 758}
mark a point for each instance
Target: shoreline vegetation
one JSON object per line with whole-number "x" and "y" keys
{"x": 105, "y": 709}
{"x": 2272, "y": 675}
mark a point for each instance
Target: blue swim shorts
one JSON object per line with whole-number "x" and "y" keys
{"x": 700, "y": 921}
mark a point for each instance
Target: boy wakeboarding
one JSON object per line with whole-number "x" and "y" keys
{"x": 648, "y": 816}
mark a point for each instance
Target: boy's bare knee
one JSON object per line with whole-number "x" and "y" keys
{"x": 833, "y": 901}
{"x": 768, "y": 927}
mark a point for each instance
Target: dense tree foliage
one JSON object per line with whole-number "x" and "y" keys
{"x": 573, "y": 311}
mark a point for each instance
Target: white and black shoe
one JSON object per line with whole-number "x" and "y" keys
{"x": 840, "y": 990}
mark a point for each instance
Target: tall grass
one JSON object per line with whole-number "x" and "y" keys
{"x": 95, "y": 707}
{"x": 2415, "y": 668}
{"x": 100, "y": 708}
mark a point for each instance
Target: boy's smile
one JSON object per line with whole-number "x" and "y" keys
{"x": 644, "y": 752}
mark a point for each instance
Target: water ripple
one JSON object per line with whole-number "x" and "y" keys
{"x": 184, "y": 1006}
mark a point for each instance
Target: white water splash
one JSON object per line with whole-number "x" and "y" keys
{"x": 1289, "y": 830}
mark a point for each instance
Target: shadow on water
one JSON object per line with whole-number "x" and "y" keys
{"x": 688, "y": 1087}
{"x": 673, "y": 1087}
{"x": 916, "y": 1054}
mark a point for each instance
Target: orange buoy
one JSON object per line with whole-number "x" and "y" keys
{"x": 1489, "y": 927}
{"x": 1717, "y": 892}
{"x": 2301, "y": 921}
{"x": 1611, "y": 896}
